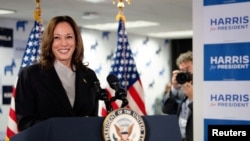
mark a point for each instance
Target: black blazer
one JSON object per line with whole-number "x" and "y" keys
{"x": 40, "y": 95}
{"x": 172, "y": 105}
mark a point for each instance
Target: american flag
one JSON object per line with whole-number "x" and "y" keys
{"x": 124, "y": 67}
{"x": 31, "y": 55}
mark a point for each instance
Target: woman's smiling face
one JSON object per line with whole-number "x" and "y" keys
{"x": 64, "y": 43}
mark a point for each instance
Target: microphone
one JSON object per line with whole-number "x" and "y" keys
{"x": 113, "y": 82}
{"x": 120, "y": 93}
{"x": 102, "y": 95}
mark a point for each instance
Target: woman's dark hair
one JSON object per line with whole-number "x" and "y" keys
{"x": 47, "y": 57}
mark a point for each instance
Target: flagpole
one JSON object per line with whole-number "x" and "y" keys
{"x": 38, "y": 11}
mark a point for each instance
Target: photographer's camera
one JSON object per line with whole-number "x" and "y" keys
{"x": 184, "y": 77}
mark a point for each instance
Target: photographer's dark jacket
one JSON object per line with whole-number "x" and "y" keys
{"x": 172, "y": 105}
{"x": 40, "y": 95}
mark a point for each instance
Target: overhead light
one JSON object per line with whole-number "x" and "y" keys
{"x": 6, "y": 11}
{"x": 174, "y": 34}
{"x": 95, "y": 1}
{"x": 90, "y": 15}
{"x": 113, "y": 26}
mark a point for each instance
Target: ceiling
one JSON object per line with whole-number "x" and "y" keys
{"x": 172, "y": 15}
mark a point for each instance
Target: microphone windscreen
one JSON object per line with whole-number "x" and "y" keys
{"x": 112, "y": 79}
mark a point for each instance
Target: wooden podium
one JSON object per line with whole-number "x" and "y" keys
{"x": 158, "y": 128}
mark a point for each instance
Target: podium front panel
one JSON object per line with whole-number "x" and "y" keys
{"x": 158, "y": 128}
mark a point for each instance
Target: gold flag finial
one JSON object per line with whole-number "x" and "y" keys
{"x": 121, "y": 5}
{"x": 38, "y": 11}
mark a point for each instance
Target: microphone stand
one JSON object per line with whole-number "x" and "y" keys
{"x": 120, "y": 94}
{"x": 103, "y": 96}
{"x": 124, "y": 103}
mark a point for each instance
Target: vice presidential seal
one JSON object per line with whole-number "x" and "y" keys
{"x": 123, "y": 125}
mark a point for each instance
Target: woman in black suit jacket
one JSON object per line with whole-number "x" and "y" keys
{"x": 59, "y": 85}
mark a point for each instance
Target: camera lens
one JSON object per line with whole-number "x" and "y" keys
{"x": 184, "y": 77}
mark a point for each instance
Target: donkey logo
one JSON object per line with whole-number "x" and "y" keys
{"x": 9, "y": 68}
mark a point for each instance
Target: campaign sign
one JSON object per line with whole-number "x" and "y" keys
{"x": 217, "y": 2}
{"x": 7, "y": 92}
{"x": 224, "y": 62}
{"x": 6, "y": 37}
{"x": 230, "y": 25}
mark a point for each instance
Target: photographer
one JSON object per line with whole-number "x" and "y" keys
{"x": 179, "y": 100}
